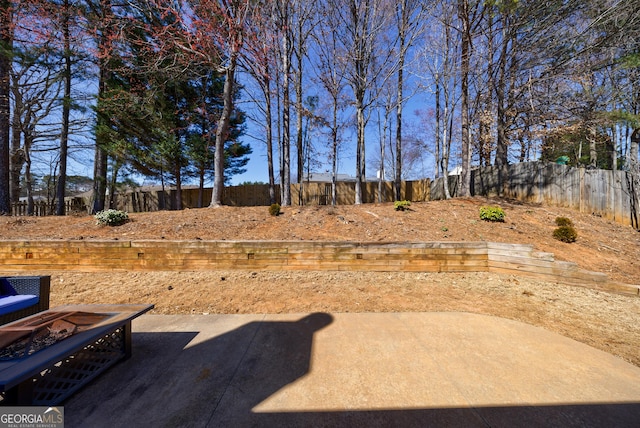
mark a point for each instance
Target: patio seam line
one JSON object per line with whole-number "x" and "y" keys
{"x": 235, "y": 372}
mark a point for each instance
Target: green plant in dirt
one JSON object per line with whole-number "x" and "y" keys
{"x": 563, "y": 221}
{"x": 492, "y": 213}
{"x": 401, "y": 205}
{"x": 111, "y": 217}
{"x": 565, "y": 234}
{"x": 274, "y": 209}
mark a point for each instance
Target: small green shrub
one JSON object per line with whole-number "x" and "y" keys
{"x": 401, "y": 205}
{"x": 111, "y": 217}
{"x": 492, "y": 213}
{"x": 563, "y": 221}
{"x": 274, "y": 209}
{"x": 565, "y": 234}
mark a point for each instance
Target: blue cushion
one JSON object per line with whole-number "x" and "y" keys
{"x": 10, "y": 304}
{"x": 6, "y": 289}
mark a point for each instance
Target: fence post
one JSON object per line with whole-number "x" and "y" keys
{"x": 582, "y": 189}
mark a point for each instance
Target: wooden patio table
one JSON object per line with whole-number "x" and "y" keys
{"x": 50, "y": 375}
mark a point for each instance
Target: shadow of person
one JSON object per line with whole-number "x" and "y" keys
{"x": 280, "y": 355}
{"x": 212, "y": 377}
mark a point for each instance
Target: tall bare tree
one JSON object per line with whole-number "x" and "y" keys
{"x": 440, "y": 62}
{"x": 65, "y": 23}
{"x": 260, "y": 61}
{"x": 230, "y": 34}
{"x": 362, "y": 26}
{"x": 36, "y": 90}
{"x": 101, "y": 13}
{"x": 284, "y": 22}
{"x": 330, "y": 71}
{"x": 6, "y": 47}
{"x": 470, "y": 14}
{"x": 410, "y": 19}
{"x": 303, "y": 19}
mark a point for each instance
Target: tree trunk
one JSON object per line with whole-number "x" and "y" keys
{"x": 99, "y": 178}
{"x": 101, "y": 156}
{"x": 402, "y": 28}
{"x": 359, "y": 146}
{"x": 66, "y": 107}
{"x": 465, "y": 65}
{"x": 222, "y": 131}
{"x": 113, "y": 181}
{"x": 334, "y": 151}
{"x": 593, "y": 154}
{"x": 178, "y": 175}
{"x": 28, "y": 183}
{"x": 278, "y": 137}
{"x": 398, "y": 177}
{"x": 446, "y": 149}
{"x": 381, "y": 171}
{"x": 286, "y": 122}
{"x": 6, "y": 42}
{"x": 633, "y": 149}
{"x": 269, "y": 138}
{"x": 299, "y": 112}
{"x": 501, "y": 144}
{"x": 437, "y": 131}
{"x": 501, "y": 161}
{"x": 633, "y": 178}
{"x": 487, "y": 118}
{"x": 200, "y": 189}
{"x": 18, "y": 154}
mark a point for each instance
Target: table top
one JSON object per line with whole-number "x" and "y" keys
{"x": 119, "y": 312}
{"x": 12, "y": 372}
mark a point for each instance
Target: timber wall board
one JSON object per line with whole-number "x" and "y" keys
{"x": 157, "y": 255}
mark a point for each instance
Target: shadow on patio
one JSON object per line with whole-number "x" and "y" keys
{"x": 239, "y": 371}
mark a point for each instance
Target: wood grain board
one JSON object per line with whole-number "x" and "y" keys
{"x": 159, "y": 255}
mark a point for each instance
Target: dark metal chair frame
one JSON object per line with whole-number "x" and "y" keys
{"x": 35, "y": 285}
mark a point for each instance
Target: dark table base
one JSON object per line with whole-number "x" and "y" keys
{"x": 51, "y": 375}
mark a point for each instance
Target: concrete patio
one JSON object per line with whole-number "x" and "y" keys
{"x": 366, "y": 369}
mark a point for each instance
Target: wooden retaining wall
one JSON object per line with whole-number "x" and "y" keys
{"x": 157, "y": 255}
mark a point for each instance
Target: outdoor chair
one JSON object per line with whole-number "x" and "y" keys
{"x": 23, "y": 296}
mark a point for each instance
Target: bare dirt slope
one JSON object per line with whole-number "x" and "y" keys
{"x": 607, "y": 321}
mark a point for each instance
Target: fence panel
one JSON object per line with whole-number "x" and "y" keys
{"x": 606, "y": 193}
{"x": 44, "y": 208}
{"x": 420, "y": 190}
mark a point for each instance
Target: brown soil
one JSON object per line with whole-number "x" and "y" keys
{"x": 603, "y": 320}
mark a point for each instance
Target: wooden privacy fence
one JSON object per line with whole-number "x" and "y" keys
{"x": 155, "y": 200}
{"x": 610, "y": 194}
{"x": 44, "y": 208}
{"x": 258, "y": 195}
{"x": 372, "y": 192}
